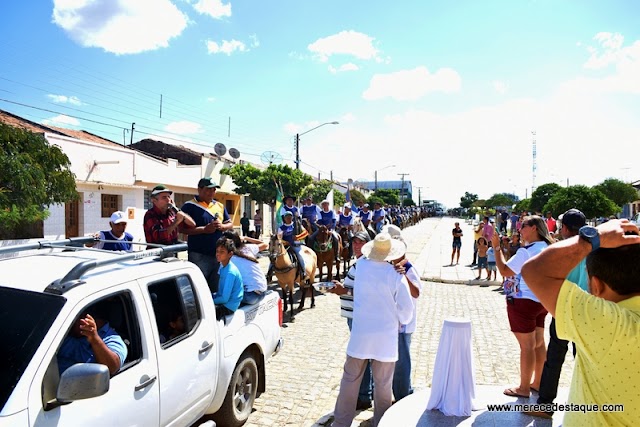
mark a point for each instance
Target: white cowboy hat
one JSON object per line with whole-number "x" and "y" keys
{"x": 394, "y": 231}
{"x": 384, "y": 248}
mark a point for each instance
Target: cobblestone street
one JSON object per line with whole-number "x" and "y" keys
{"x": 303, "y": 380}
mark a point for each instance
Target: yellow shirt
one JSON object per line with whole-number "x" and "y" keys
{"x": 607, "y": 367}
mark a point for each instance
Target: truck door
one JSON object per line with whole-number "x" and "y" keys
{"x": 133, "y": 396}
{"x": 187, "y": 342}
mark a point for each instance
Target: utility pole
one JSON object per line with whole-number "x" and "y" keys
{"x": 375, "y": 185}
{"x": 402, "y": 188}
{"x": 419, "y": 195}
{"x": 297, "y": 144}
{"x": 331, "y": 175}
{"x": 133, "y": 126}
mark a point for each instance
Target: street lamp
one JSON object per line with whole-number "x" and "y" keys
{"x": 298, "y": 140}
{"x": 375, "y": 187}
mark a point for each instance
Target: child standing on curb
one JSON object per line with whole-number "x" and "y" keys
{"x": 491, "y": 263}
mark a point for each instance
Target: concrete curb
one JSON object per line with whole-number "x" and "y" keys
{"x": 460, "y": 282}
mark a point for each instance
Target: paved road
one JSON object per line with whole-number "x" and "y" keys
{"x": 303, "y": 380}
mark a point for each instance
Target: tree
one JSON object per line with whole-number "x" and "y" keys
{"x": 522, "y": 205}
{"x": 387, "y": 195}
{"x": 501, "y": 199}
{"x": 33, "y": 176}
{"x": 467, "y": 200}
{"x": 408, "y": 202}
{"x": 618, "y": 191}
{"x": 319, "y": 190}
{"x": 591, "y": 201}
{"x": 356, "y": 197}
{"x": 541, "y": 196}
{"x": 261, "y": 184}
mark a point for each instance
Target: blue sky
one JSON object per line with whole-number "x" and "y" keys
{"x": 448, "y": 92}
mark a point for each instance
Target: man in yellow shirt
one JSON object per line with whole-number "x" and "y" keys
{"x": 605, "y": 324}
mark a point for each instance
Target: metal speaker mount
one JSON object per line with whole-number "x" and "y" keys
{"x": 234, "y": 153}
{"x": 220, "y": 149}
{"x": 271, "y": 158}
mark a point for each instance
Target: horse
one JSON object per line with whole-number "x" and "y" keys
{"x": 345, "y": 253}
{"x": 287, "y": 272}
{"x": 326, "y": 253}
{"x": 358, "y": 226}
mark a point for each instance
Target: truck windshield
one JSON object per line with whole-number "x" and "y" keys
{"x": 25, "y": 318}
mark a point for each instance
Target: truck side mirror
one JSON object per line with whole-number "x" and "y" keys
{"x": 83, "y": 381}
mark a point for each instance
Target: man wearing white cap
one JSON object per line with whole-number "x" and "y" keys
{"x": 382, "y": 301}
{"x": 117, "y": 239}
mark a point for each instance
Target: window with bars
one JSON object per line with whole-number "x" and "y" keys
{"x": 109, "y": 204}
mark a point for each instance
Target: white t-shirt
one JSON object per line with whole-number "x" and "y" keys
{"x": 516, "y": 262}
{"x": 382, "y": 303}
{"x": 252, "y": 276}
{"x": 412, "y": 274}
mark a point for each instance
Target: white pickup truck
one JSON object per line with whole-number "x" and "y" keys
{"x": 211, "y": 368}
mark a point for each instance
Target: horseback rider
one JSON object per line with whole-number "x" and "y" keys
{"x": 327, "y": 218}
{"x": 310, "y": 212}
{"x": 345, "y": 220}
{"x": 287, "y": 233}
{"x": 288, "y": 206}
{"x": 378, "y": 216}
{"x": 365, "y": 215}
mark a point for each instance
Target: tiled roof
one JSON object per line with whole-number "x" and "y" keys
{"x": 22, "y": 123}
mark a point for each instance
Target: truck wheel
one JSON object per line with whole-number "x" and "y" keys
{"x": 241, "y": 394}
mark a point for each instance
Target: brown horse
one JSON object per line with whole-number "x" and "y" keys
{"x": 288, "y": 273}
{"x": 326, "y": 253}
{"x": 345, "y": 253}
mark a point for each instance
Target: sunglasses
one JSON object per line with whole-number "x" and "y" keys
{"x": 525, "y": 225}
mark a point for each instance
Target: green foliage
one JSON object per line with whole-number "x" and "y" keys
{"x": 388, "y": 196}
{"x": 480, "y": 203}
{"x": 522, "y": 205}
{"x": 501, "y": 199}
{"x": 591, "y": 201}
{"x": 319, "y": 190}
{"x": 261, "y": 184}
{"x": 408, "y": 202}
{"x": 357, "y": 197}
{"x": 467, "y": 200}
{"x": 618, "y": 191}
{"x": 33, "y": 176}
{"x": 373, "y": 200}
{"x": 542, "y": 195}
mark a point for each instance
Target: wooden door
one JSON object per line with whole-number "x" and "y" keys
{"x": 71, "y": 219}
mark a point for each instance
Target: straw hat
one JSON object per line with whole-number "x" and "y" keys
{"x": 384, "y": 248}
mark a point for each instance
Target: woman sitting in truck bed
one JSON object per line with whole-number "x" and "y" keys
{"x": 230, "y": 288}
{"x": 245, "y": 259}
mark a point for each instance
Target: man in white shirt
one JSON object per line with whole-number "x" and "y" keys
{"x": 383, "y": 303}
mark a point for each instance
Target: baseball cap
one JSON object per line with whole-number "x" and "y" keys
{"x": 287, "y": 213}
{"x": 324, "y": 201}
{"x": 117, "y": 217}
{"x": 160, "y": 189}
{"x": 574, "y": 219}
{"x": 362, "y": 235}
{"x": 207, "y": 182}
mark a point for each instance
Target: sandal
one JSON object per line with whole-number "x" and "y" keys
{"x": 513, "y": 393}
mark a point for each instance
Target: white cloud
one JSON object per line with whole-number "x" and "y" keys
{"x": 61, "y": 120}
{"x": 227, "y": 47}
{"x": 349, "y": 42}
{"x": 214, "y": 8}
{"x": 184, "y": 127}
{"x": 500, "y": 86}
{"x": 211, "y": 99}
{"x": 609, "y": 52}
{"x": 349, "y": 66}
{"x": 348, "y": 118}
{"x": 62, "y": 99}
{"x": 254, "y": 40}
{"x": 413, "y": 84}
{"x": 120, "y": 27}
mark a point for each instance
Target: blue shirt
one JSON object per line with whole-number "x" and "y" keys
{"x": 378, "y": 213}
{"x": 78, "y": 350}
{"x": 203, "y": 215}
{"x": 327, "y": 219}
{"x": 288, "y": 232}
{"x": 311, "y": 213}
{"x": 365, "y": 216}
{"x": 345, "y": 220}
{"x": 292, "y": 209}
{"x": 230, "y": 288}
{"x": 491, "y": 255}
{"x": 123, "y": 244}
{"x": 579, "y": 275}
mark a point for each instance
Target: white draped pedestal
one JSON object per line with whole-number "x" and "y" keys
{"x": 453, "y": 386}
